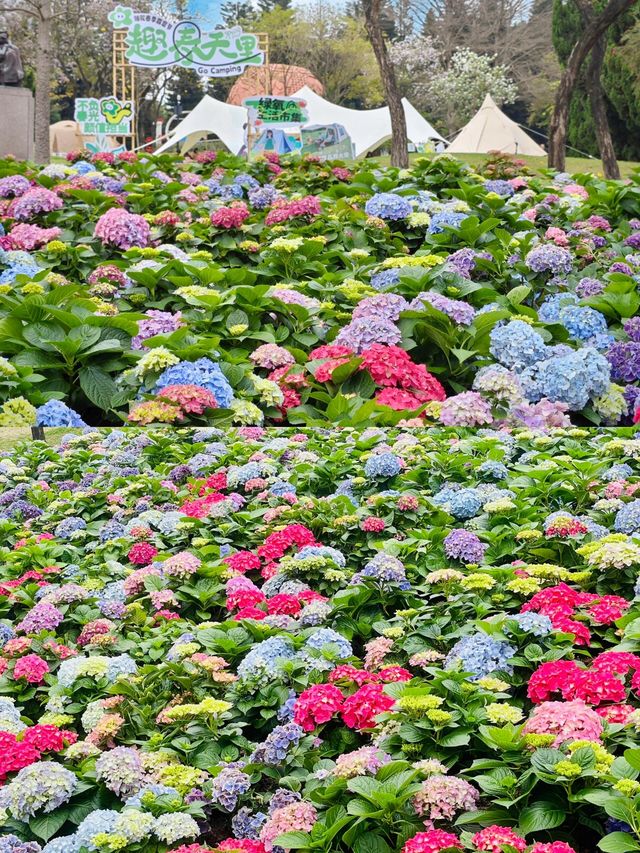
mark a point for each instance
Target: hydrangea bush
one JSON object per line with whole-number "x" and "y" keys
{"x": 208, "y": 290}
{"x": 339, "y": 640}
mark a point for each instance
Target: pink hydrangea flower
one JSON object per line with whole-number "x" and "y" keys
{"x": 121, "y": 229}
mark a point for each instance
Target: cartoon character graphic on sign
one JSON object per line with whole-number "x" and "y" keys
{"x": 114, "y": 112}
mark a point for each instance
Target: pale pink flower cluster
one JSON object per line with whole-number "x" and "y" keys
{"x": 296, "y": 817}
{"x": 376, "y": 651}
{"x": 443, "y": 796}
{"x": 181, "y": 565}
{"x": 568, "y": 721}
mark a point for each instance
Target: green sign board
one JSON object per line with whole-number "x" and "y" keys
{"x": 103, "y": 116}
{"x": 154, "y": 42}
{"x": 329, "y": 141}
{"x": 274, "y": 110}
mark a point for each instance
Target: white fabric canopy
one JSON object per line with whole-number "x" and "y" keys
{"x": 491, "y": 130}
{"x": 210, "y": 116}
{"x": 368, "y": 129}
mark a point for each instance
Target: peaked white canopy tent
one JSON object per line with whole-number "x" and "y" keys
{"x": 368, "y": 129}
{"x": 209, "y": 116}
{"x": 491, "y": 130}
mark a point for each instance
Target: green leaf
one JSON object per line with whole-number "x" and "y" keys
{"x": 293, "y": 840}
{"x": 618, "y": 842}
{"x": 47, "y": 825}
{"x": 539, "y": 816}
{"x": 98, "y": 386}
{"x": 518, "y": 294}
{"x": 633, "y": 757}
{"x": 369, "y": 843}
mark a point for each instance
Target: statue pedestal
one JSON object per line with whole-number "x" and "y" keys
{"x": 16, "y": 122}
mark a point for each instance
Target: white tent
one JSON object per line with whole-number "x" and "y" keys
{"x": 368, "y": 129}
{"x": 491, "y": 130}
{"x": 210, "y": 116}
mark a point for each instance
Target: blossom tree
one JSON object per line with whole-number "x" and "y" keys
{"x": 457, "y": 90}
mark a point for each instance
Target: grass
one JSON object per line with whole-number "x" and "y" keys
{"x": 575, "y": 165}
{"x": 10, "y": 436}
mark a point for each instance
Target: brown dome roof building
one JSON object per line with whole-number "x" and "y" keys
{"x": 273, "y": 79}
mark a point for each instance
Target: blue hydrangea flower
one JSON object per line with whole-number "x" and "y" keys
{"x": 583, "y": 322}
{"x": 571, "y": 379}
{"x": 461, "y": 503}
{"x": 627, "y": 518}
{"x": 385, "y": 569}
{"x": 385, "y": 279}
{"x": 327, "y": 636}
{"x": 55, "y": 413}
{"x": 265, "y": 660}
{"x": 549, "y": 311}
{"x": 67, "y": 526}
{"x": 383, "y": 465}
{"x": 516, "y": 345}
{"x": 499, "y": 187}
{"x": 480, "y": 655}
{"x": 277, "y": 744}
{"x": 534, "y": 623}
{"x": 494, "y": 469}
{"x": 321, "y": 551}
{"x": 445, "y": 219}
{"x": 550, "y": 258}
{"x": 388, "y": 206}
{"x": 620, "y": 471}
{"x": 203, "y": 372}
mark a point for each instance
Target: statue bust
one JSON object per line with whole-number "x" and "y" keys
{"x": 11, "y": 72}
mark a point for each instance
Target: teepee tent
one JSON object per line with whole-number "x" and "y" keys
{"x": 491, "y": 130}
{"x": 228, "y": 122}
{"x": 368, "y": 129}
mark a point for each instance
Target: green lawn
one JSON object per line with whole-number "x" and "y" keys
{"x": 10, "y": 436}
{"x": 574, "y": 164}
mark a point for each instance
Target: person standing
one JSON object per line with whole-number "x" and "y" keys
{"x": 11, "y": 71}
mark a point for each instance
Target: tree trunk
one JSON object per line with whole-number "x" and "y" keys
{"x": 599, "y": 111}
{"x": 399, "y": 141}
{"x": 596, "y": 28}
{"x": 44, "y": 66}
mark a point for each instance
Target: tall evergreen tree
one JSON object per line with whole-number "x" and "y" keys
{"x": 240, "y": 12}
{"x": 621, "y": 103}
{"x": 270, "y": 5}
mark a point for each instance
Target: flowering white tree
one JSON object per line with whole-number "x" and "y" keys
{"x": 417, "y": 61}
{"x": 450, "y": 92}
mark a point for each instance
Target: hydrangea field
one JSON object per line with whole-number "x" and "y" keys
{"x": 327, "y": 640}
{"x": 199, "y": 291}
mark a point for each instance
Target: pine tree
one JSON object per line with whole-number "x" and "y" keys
{"x": 240, "y": 12}
{"x": 270, "y": 5}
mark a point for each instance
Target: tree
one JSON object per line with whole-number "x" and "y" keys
{"x": 234, "y": 13}
{"x": 42, "y": 14}
{"x": 597, "y": 27}
{"x": 334, "y": 47}
{"x": 449, "y": 90}
{"x": 270, "y": 5}
{"x": 399, "y": 140}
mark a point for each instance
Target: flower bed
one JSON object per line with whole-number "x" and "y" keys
{"x": 192, "y": 291}
{"x": 326, "y": 640}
